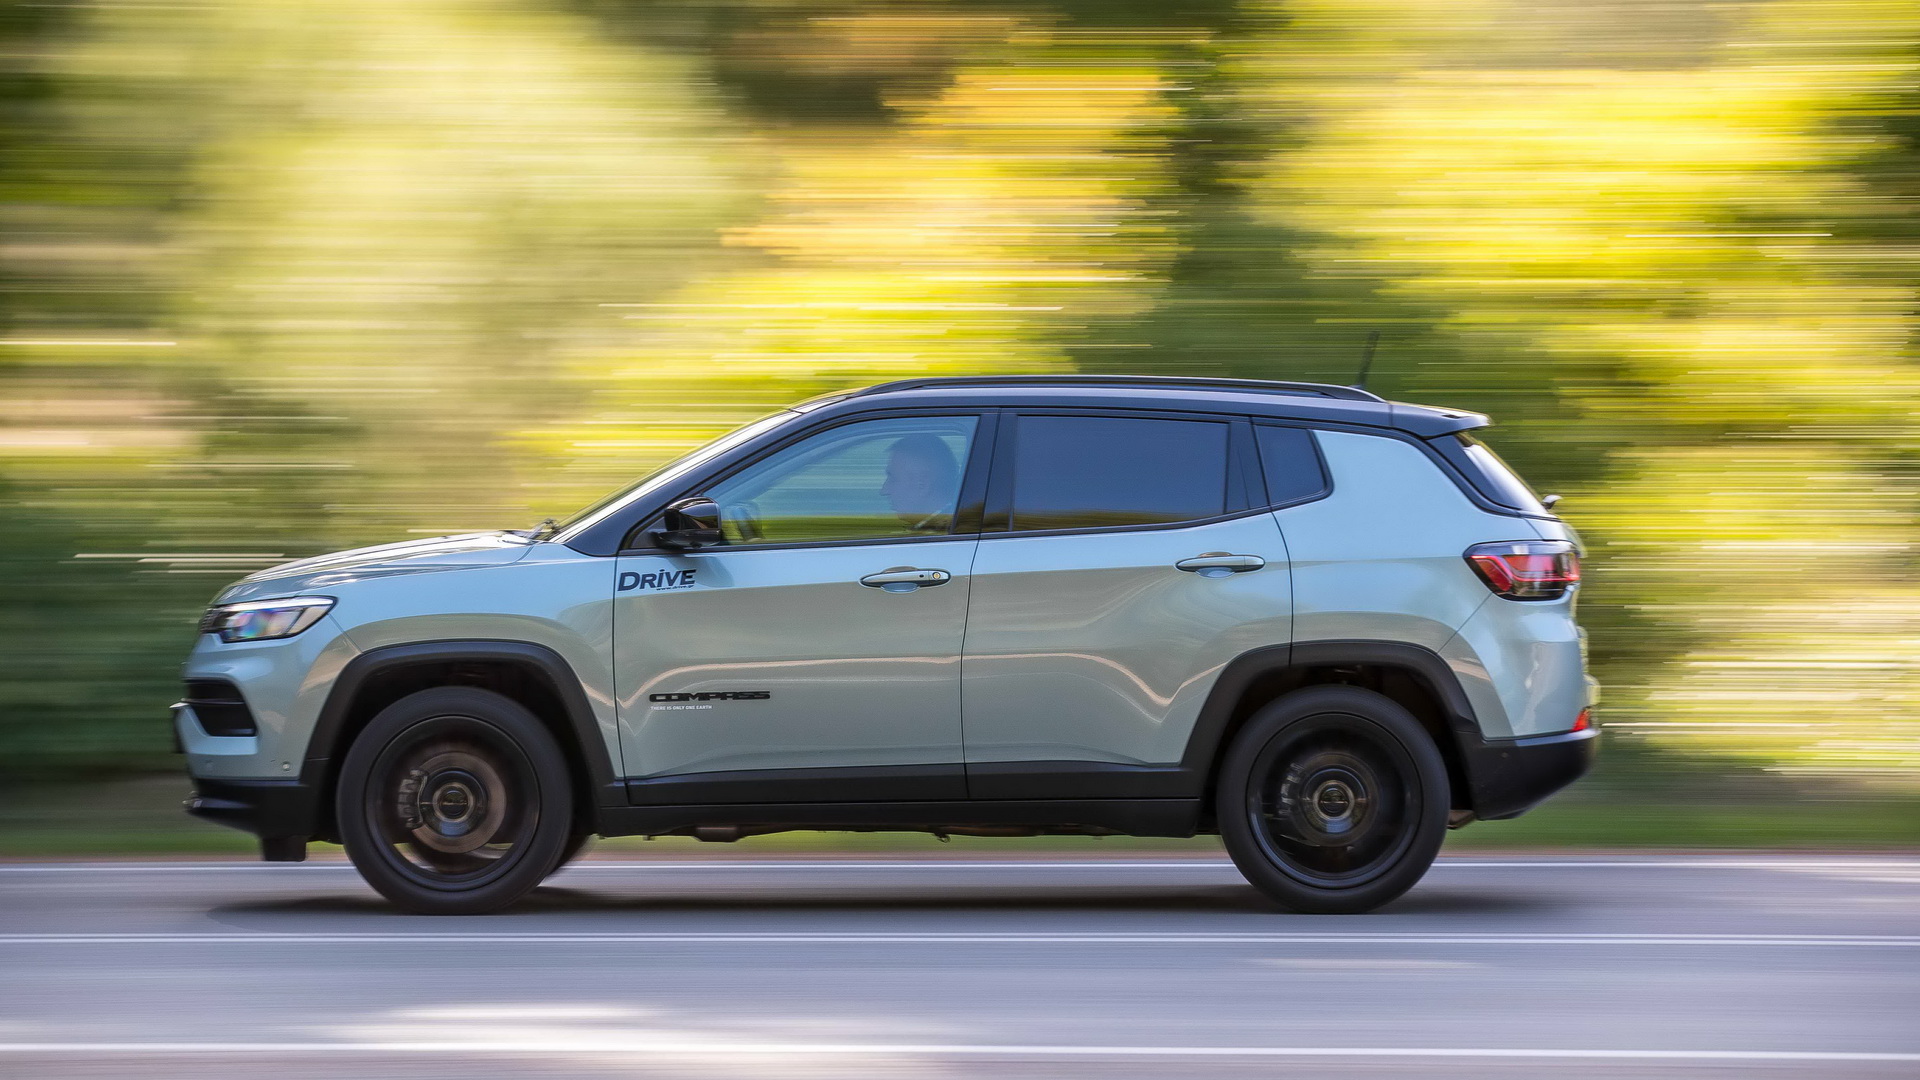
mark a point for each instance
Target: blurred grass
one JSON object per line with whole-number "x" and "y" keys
{"x": 1636, "y": 799}
{"x": 279, "y": 277}
{"x": 122, "y": 820}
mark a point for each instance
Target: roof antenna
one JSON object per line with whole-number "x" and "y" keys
{"x": 1366, "y": 359}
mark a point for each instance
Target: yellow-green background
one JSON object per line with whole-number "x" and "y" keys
{"x": 280, "y": 277}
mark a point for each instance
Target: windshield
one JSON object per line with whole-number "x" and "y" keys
{"x": 669, "y": 471}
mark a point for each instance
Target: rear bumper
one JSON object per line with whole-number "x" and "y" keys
{"x": 1508, "y": 777}
{"x": 269, "y": 809}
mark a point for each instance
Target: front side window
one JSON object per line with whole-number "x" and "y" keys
{"x": 1080, "y": 472}
{"x": 872, "y": 479}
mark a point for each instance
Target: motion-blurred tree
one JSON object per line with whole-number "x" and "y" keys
{"x": 376, "y": 234}
{"x": 1662, "y": 260}
{"x": 461, "y": 263}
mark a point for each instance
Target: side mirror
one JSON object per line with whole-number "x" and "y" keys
{"x": 690, "y": 523}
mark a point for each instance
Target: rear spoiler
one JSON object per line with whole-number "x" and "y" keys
{"x": 1429, "y": 422}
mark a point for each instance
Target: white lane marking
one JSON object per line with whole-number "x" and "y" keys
{"x": 1346, "y": 964}
{"x": 969, "y": 938}
{"x": 466, "y": 1048}
{"x": 1729, "y": 863}
{"x": 739, "y": 864}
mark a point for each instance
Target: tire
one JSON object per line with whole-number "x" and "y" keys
{"x": 454, "y": 801}
{"x": 1333, "y": 800}
{"x": 576, "y": 846}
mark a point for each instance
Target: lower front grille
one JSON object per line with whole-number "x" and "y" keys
{"x": 220, "y": 708}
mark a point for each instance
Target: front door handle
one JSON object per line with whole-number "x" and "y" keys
{"x": 1220, "y": 564}
{"x": 905, "y": 579}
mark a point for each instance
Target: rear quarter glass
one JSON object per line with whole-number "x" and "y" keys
{"x": 1490, "y": 475}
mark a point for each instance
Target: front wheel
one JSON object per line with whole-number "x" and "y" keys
{"x": 1333, "y": 800}
{"x": 454, "y": 801}
{"x": 576, "y": 846}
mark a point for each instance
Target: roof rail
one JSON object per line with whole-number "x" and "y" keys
{"x": 1172, "y": 382}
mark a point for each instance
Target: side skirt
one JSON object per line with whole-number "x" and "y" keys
{"x": 994, "y": 817}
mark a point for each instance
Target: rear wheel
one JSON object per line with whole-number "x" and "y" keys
{"x": 1333, "y": 800}
{"x": 454, "y": 801}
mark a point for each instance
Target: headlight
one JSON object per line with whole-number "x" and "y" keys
{"x": 261, "y": 620}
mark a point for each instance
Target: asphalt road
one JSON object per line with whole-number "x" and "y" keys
{"x": 1494, "y": 967}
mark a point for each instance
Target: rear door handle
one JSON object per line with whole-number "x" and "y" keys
{"x": 905, "y": 579}
{"x": 1220, "y": 564}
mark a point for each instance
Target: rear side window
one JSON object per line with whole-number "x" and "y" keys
{"x": 1291, "y": 463}
{"x": 1082, "y": 472}
{"x": 1494, "y": 477}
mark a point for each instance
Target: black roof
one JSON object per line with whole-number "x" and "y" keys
{"x": 1254, "y": 397}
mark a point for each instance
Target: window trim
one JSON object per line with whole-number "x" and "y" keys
{"x": 627, "y": 520}
{"x": 1433, "y": 453}
{"x": 998, "y": 520}
{"x": 1454, "y": 450}
{"x": 1319, "y": 460}
{"x": 638, "y": 542}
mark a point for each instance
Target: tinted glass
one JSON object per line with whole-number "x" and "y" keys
{"x": 1078, "y": 472}
{"x": 1292, "y": 466}
{"x": 868, "y": 480}
{"x": 1495, "y": 478}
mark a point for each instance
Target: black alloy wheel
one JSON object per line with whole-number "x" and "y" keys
{"x": 1333, "y": 800}
{"x": 455, "y": 801}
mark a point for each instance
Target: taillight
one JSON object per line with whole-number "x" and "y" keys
{"x": 1526, "y": 569}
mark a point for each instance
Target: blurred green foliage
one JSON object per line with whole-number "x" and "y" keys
{"x": 280, "y": 277}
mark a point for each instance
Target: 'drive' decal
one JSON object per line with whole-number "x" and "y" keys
{"x": 657, "y": 581}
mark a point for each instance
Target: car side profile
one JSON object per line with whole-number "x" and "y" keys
{"x": 1323, "y": 625}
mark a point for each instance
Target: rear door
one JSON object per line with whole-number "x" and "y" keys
{"x": 1127, "y": 558}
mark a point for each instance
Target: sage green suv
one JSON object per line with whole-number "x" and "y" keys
{"x": 1323, "y": 625}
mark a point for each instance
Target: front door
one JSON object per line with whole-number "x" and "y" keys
{"x": 814, "y": 655}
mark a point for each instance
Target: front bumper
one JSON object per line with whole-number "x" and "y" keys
{"x": 284, "y": 814}
{"x": 1508, "y": 777}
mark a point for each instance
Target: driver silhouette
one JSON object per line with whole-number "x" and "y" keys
{"x": 923, "y": 481}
